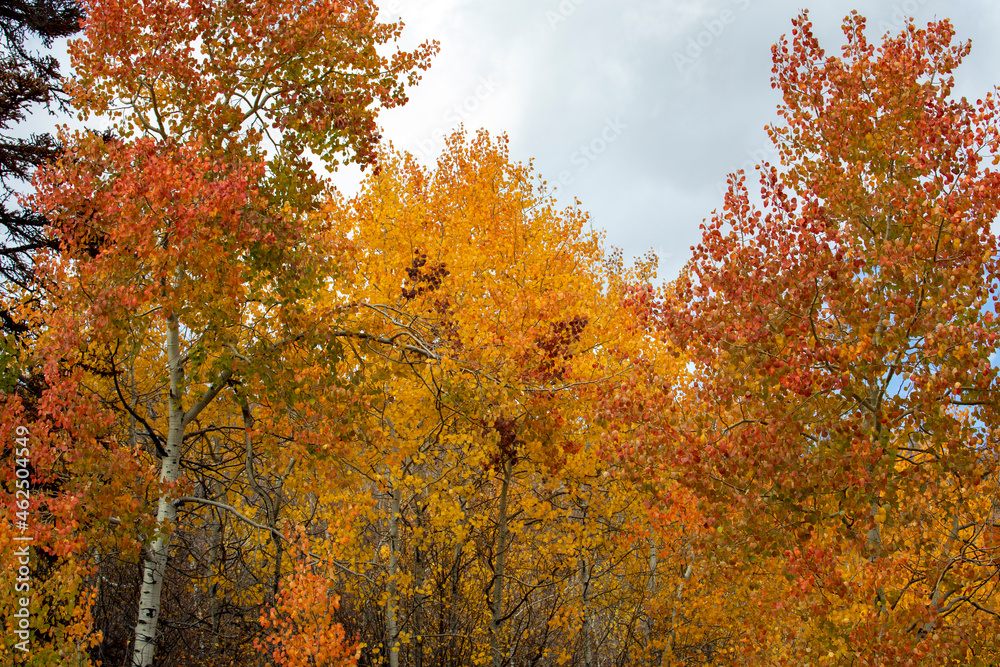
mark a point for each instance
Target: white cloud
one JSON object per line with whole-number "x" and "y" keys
{"x": 553, "y": 85}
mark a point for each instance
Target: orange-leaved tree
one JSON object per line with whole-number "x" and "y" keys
{"x": 189, "y": 249}
{"x": 303, "y": 632}
{"x": 486, "y": 531}
{"x": 843, "y": 335}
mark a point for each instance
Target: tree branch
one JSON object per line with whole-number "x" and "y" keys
{"x": 207, "y": 397}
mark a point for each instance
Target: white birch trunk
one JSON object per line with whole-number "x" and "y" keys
{"x": 156, "y": 562}
{"x": 166, "y": 513}
{"x": 650, "y": 591}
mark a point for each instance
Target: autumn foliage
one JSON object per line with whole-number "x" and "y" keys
{"x": 843, "y": 330}
{"x": 439, "y": 423}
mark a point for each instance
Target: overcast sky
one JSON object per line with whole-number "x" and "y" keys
{"x": 639, "y": 108}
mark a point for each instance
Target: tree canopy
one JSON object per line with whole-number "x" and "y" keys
{"x": 440, "y": 422}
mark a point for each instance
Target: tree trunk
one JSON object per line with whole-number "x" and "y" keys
{"x": 456, "y": 565}
{"x": 271, "y": 503}
{"x": 944, "y": 564}
{"x": 586, "y": 573}
{"x": 392, "y": 631}
{"x": 585, "y": 631}
{"x": 498, "y": 570}
{"x": 156, "y": 561}
{"x": 166, "y": 514}
{"x": 654, "y": 553}
{"x": 418, "y": 596}
{"x": 216, "y": 553}
{"x": 678, "y": 600}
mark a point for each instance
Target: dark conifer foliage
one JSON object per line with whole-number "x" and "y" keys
{"x": 29, "y": 84}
